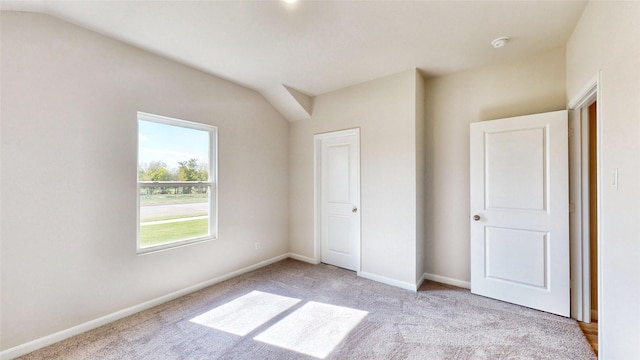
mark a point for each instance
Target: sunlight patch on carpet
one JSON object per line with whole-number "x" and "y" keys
{"x": 246, "y": 313}
{"x": 314, "y": 329}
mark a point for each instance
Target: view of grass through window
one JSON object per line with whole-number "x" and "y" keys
{"x": 174, "y": 181}
{"x": 172, "y": 216}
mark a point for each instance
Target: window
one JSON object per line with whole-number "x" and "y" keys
{"x": 177, "y": 182}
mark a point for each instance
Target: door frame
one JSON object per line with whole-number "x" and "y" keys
{"x": 581, "y": 289}
{"x": 317, "y": 185}
{"x": 579, "y": 168}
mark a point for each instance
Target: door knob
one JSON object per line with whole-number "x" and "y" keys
{"x": 476, "y": 217}
{"x": 354, "y": 210}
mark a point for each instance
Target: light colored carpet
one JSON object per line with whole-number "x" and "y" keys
{"x": 293, "y": 310}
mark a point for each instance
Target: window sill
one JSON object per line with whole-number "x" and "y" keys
{"x": 173, "y": 245}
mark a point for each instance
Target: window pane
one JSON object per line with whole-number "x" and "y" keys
{"x": 172, "y": 153}
{"x": 171, "y": 213}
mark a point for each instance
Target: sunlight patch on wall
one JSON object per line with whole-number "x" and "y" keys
{"x": 246, "y": 313}
{"x": 314, "y": 329}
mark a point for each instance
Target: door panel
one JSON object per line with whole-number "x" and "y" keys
{"x": 338, "y": 173}
{"x": 519, "y": 192}
{"x": 515, "y": 156}
{"x": 339, "y": 198}
{"x": 339, "y": 231}
{"x": 520, "y": 262}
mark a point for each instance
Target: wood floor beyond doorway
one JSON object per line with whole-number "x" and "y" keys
{"x": 591, "y": 333}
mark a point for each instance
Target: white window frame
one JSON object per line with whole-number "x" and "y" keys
{"x": 212, "y": 183}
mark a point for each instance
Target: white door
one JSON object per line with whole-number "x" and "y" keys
{"x": 338, "y": 197}
{"x": 520, "y": 211}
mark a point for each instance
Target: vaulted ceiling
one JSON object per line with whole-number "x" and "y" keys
{"x": 292, "y": 52}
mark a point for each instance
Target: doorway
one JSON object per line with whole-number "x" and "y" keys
{"x": 585, "y": 185}
{"x": 337, "y": 198}
{"x": 589, "y": 325}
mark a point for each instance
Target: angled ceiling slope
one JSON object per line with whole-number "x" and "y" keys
{"x": 317, "y": 47}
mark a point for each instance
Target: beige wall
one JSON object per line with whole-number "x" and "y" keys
{"x": 385, "y": 112}
{"x": 606, "y": 40}
{"x": 69, "y": 144}
{"x": 532, "y": 85}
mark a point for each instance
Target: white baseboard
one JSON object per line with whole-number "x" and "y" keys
{"x": 92, "y": 324}
{"x": 447, "y": 280}
{"x": 304, "y": 258}
{"x": 366, "y": 275}
{"x": 388, "y": 281}
{"x": 420, "y": 281}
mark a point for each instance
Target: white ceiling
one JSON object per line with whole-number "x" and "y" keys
{"x": 317, "y": 47}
